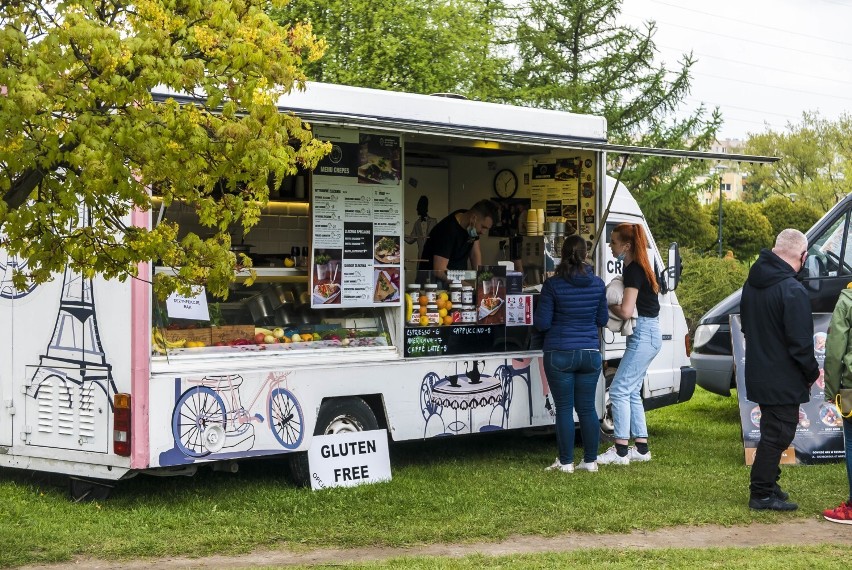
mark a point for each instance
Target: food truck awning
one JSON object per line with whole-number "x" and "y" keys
{"x": 489, "y": 126}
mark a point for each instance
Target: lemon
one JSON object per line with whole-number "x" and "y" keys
{"x": 442, "y": 313}
{"x": 424, "y": 321}
{"x": 443, "y": 296}
{"x": 288, "y": 262}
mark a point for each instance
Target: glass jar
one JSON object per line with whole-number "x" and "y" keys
{"x": 467, "y": 295}
{"x": 455, "y": 292}
{"x": 431, "y": 291}
{"x": 414, "y": 293}
{"x": 468, "y": 314}
{"x": 432, "y": 314}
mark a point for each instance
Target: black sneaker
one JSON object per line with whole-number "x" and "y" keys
{"x": 779, "y": 493}
{"x": 771, "y": 503}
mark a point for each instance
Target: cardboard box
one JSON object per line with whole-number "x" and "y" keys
{"x": 227, "y": 333}
{"x": 196, "y": 334}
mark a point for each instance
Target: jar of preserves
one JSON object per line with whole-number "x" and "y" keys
{"x": 432, "y": 314}
{"x": 468, "y": 314}
{"x": 431, "y": 291}
{"x": 467, "y": 295}
{"x": 456, "y": 292}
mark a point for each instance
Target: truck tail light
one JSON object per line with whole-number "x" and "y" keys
{"x": 121, "y": 425}
{"x": 687, "y": 344}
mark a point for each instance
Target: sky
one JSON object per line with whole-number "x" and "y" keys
{"x": 762, "y": 62}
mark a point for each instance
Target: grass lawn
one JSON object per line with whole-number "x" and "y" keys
{"x": 448, "y": 490}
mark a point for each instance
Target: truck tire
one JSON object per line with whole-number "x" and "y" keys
{"x": 338, "y": 415}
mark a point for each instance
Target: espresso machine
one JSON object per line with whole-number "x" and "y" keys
{"x": 538, "y": 255}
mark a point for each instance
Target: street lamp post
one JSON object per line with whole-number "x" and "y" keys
{"x": 720, "y": 217}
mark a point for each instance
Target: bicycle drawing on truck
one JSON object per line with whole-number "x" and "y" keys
{"x": 211, "y": 412}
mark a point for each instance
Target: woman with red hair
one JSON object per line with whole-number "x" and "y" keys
{"x": 630, "y": 246}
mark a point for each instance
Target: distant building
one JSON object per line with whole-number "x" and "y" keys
{"x": 724, "y": 176}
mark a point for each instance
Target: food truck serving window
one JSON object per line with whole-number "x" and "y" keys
{"x": 273, "y": 316}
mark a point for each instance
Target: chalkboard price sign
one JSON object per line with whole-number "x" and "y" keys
{"x": 457, "y": 339}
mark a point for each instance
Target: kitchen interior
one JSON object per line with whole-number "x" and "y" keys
{"x": 278, "y": 304}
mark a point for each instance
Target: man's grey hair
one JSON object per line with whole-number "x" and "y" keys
{"x": 792, "y": 242}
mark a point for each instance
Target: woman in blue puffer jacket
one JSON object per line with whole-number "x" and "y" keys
{"x": 571, "y": 309}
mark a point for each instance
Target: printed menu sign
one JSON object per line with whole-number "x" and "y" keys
{"x": 819, "y": 434}
{"x": 565, "y": 188}
{"x": 357, "y": 221}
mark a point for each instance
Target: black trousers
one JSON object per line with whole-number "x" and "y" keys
{"x": 777, "y": 430}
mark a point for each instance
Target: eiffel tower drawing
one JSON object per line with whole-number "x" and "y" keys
{"x": 75, "y": 353}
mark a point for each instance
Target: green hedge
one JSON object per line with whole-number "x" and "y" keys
{"x": 705, "y": 281}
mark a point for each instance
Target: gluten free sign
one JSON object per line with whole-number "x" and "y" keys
{"x": 349, "y": 459}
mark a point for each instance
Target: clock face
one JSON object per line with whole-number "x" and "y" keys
{"x": 505, "y": 183}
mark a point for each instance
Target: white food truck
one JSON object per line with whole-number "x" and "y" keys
{"x": 101, "y": 381}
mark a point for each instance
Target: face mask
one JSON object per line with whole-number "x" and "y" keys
{"x": 620, "y": 257}
{"x": 471, "y": 231}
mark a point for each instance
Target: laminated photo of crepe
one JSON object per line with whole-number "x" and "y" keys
{"x": 386, "y": 250}
{"x": 377, "y": 170}
{"x": 386, "y": 291}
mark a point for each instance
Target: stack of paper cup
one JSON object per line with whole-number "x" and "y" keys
{"x": 540, "y": 214}
{"x": 532, "y": 222}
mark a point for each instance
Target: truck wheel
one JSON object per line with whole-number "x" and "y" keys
{"x": 338, "y": 415}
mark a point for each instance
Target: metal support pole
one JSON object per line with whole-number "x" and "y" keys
{"x": 720, "y": 218}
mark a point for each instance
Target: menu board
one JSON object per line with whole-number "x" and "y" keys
{"x": 356, "y": 201}
{"x": 564, "y": 187}
{"x": 451, "y": 340}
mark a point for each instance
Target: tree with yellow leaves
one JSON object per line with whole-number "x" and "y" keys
{"x": 81, "y": 131}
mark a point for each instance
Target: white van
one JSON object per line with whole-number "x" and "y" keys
{"x": 98, "y": 382}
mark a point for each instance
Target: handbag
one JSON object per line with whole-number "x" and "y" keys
{"x": 843, "y": 401}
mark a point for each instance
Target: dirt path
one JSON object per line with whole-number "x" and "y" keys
{"x": 797, "y": 532}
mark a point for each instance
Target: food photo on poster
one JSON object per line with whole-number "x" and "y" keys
{"x": 386, "y": 249}
{"x": 379, "y": 159}
{"x": 491, "y": 295}
{"x": 327, "y": 277}
{"x": 386, "y": 288}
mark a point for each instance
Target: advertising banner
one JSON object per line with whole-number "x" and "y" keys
{"x": 819, "y": 435}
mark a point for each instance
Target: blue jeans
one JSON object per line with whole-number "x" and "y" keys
{"x": 625, "y": 392}
{"x": 573, "y": 379}
{"x": 847, "y": 436}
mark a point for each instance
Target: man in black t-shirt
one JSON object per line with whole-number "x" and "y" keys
{"x": 455, "y": 240}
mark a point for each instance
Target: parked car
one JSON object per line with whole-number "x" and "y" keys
{"x": 827, "y": 271}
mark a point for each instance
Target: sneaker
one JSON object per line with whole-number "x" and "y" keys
{"x": 842, "y": 514}
{"x": 611, "y": 457}
{"x": 771, "y": 503}
{"x": 634, "y": 454}
{"x": 780, "y": 493}
{"x": 590, "y": 467}
{"x": 567, "y": 468}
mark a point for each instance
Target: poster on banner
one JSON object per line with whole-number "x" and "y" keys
{"x": 349, "y": 459}
{"x": 819, "y": 434}
{"x": 356, "y": 204}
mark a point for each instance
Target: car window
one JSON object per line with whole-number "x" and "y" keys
{"x": 829, "y": 254}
